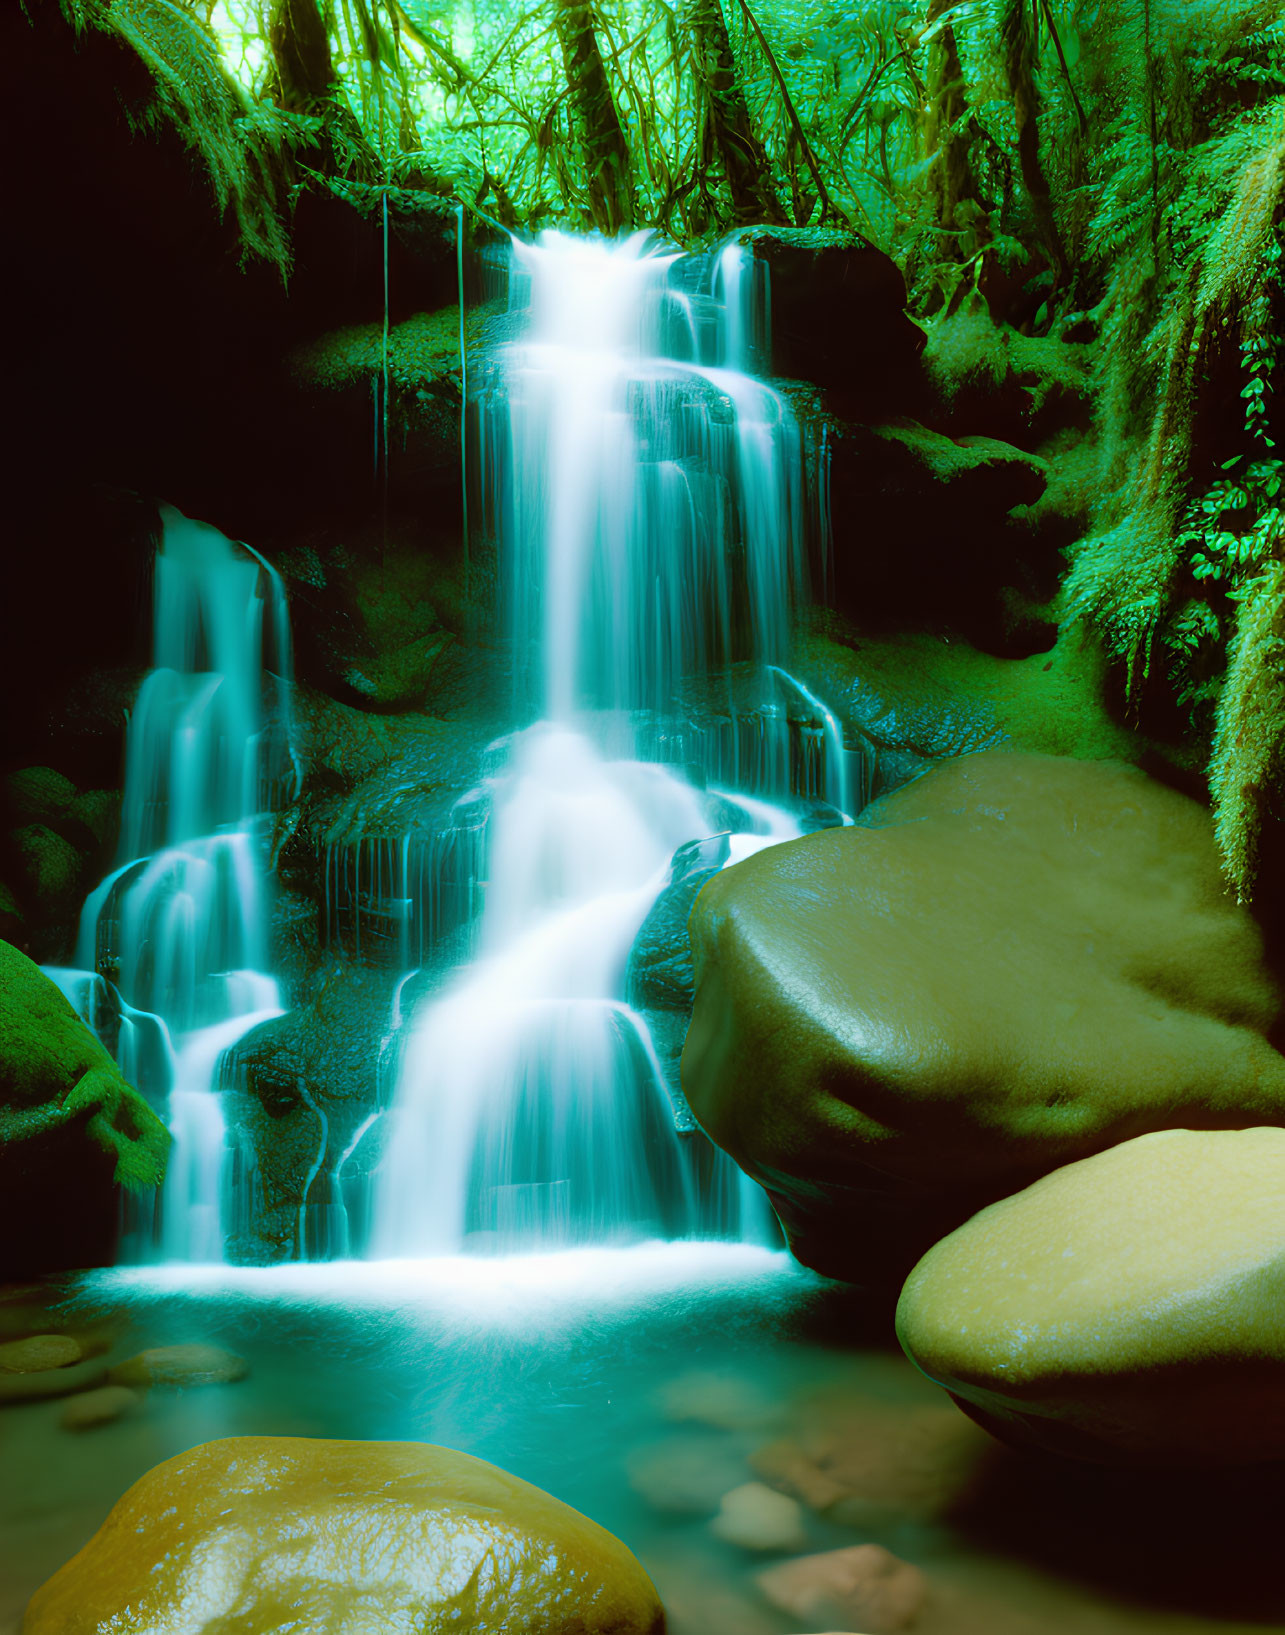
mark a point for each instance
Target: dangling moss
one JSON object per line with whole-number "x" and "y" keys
{"x": 1249, "y": 747}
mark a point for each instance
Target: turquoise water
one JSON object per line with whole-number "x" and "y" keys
{"x": 636, "y": 1385}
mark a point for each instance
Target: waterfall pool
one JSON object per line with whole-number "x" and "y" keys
{"x": 638, "y": 1385}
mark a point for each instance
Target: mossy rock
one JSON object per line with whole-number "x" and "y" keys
{"x": 993, "y": 380}
{"x": 934, "y": 696}
{"x": 98, "y": 810}
{"x": 957, "y": 509}
{"x": 47, "y": 866}
{"x": 37, "y": 794}
{"x": 54, "y": 1074}
{"x": 401, "y": 678}
{"x": 13, "y": 925}
{"x": 422, "y": 348}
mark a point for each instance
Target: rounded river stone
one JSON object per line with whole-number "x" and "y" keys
{"x": 1128, "y": 1308}
{"x": 265, "y": 1533}
{"x": 1010, "y": 964}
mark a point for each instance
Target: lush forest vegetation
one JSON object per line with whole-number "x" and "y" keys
{"x": 1104, "y": 169}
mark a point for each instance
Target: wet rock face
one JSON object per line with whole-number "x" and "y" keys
{"x": 1010, "y": 964}
{"x": 954, "y": 506}
{"x": 387, "y": 1535}
{"x": 1126, "y": 1308}
{"x": 815, "y": 273}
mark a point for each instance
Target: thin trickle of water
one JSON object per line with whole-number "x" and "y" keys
{"x": 648, "y": 498}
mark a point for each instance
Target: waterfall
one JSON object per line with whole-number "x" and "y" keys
{"x": 648, "y": 500}
{"x": 174, "y": 941}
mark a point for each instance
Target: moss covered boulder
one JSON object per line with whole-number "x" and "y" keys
{"x": 1012, "y": 963}
{"x": 1127, "y": 1307}
{"x": 260, "y": 1532}
{"x": 38, "y": 794}
{"x": 71, "y": 1128}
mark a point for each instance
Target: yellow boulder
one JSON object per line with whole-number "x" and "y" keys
{"x": 260, "y": 1534}
{"x": 1130, "y": 1307}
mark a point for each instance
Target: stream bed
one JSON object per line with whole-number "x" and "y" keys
{"x": 639, "y": 1385}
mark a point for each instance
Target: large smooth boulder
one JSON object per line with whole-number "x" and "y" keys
{"x": 1010, "y": 964}
{"x": 258, "y": 1533}
{"x": 1130, "y": 1307}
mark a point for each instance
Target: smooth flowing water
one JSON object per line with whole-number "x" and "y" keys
{"x": 648, "y": 500}
{"x": 173, "y": 946}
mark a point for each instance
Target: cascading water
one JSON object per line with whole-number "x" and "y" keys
{"x": 648, "y": 498}
{"x": 179, "y": 929}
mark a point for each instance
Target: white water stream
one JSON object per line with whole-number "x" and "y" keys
{"x": 180, "y": 926}
{"x": 648, "y": 499}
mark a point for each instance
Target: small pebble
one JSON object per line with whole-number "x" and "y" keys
{"x": 755, "y": 1517}
{"x": 180, "y": 1365}
{"x": 725, "y": 1402}
{"x": 867, "y": 1584}
{"x": 100, "y": 1407}
{"x": 40, "y": 1352}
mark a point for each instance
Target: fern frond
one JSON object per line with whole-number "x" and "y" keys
{"x": 194, "y": 93}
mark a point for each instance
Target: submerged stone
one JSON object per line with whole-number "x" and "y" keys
{"x": 1010, "y": 964}
{"x": 103, "y": 1406}
{"x": 685, "y": 1475}
{"x": 1124, "y": 1308}
{"x": 755, "y": 1517}
{"x": 865, "y": 1587}
{"x": 864, "y": 1465}
{"x": 52, "y": 1382}
{"x": 38, "y": 1353}
{"x": 399, "y": 1537}
{"x": 181, "y": 1365}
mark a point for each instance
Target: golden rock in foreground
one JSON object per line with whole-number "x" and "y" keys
{"x": 261, "y": 1533}
{"x": 1127, "y": 1308}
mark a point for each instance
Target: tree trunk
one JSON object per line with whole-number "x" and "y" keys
{"x": 595, "y": 118}
{"x": 1019, "y": 67}
{"x": 947, "y": 116}
{"x": 728, "y": 125}
{"x": 301, "y": 52}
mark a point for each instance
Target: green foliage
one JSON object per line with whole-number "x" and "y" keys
{"x": 1179, "y": 569}
{"x": 55, "y": 1074}
{"x": 1026, "y": 161}
{"x": 238, "y": 142}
